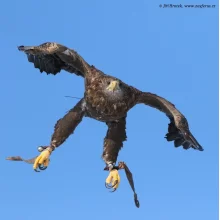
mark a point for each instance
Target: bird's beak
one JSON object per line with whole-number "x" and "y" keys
{"x": 113, "y": 85}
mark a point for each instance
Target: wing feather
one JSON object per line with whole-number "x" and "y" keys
{"x": 178, "y": 128}
{"x": 52, "y": 58}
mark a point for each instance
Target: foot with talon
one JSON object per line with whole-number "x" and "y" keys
{"x": 113, "y": 179}
{"x": 42, "y": 161}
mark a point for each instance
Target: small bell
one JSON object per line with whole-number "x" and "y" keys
{"x": 41, "y": 148}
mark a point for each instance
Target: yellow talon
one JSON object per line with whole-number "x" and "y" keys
{"x": 42, "y": 159}
{"x": 113, "y": 179}
{"x": 46, "y": 162}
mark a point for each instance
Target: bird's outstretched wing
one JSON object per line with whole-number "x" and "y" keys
{"x": 52, "y": 58}
{"x": 178, "y": 129}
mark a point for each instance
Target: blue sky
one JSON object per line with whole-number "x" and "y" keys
{"x": 170, "y": 52}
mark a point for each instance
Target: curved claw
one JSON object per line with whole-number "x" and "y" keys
{"x": 42, "y": 167}
{"x": 116, "y": 182}
{"x": 113, "y": 180}
{"x": 113, "y": 190}
{"x": 42, "y": 161}
{"x": 108, "y": 186}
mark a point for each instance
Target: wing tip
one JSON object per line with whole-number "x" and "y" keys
{"x": 200, "y": 148}
{"x": 21, "y": 48}
{"x": 180, "y": 141}
{"x": 24, "y": 48}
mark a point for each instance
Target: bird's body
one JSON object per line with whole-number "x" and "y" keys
{"x": 106, "y": 99}
{"x": 104, "y": 105}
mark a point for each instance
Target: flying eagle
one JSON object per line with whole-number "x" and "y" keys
{"x": 106, "y": 99}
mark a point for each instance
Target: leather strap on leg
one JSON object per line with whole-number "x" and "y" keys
{"x": 122, "y": 165}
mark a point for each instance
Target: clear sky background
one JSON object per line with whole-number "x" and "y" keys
{"x": 170, "y": 52}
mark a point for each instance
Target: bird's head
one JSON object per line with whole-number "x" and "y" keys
{"x": 113, "y": 85}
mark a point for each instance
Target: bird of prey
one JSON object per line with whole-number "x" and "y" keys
{"x": 106, "y": 99}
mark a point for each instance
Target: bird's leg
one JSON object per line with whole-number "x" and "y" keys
{"x": 113, "y": 179}
{"x": 113, "y": 142}
{"x": 42, "y": 161}
{"x": 62, "y": 130}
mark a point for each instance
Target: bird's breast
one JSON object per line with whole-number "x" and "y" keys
{"x": 103, "y": 109}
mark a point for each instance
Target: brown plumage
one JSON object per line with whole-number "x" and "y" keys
{"x": 103, "y": 104}
{"x": 106, "y": 99}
